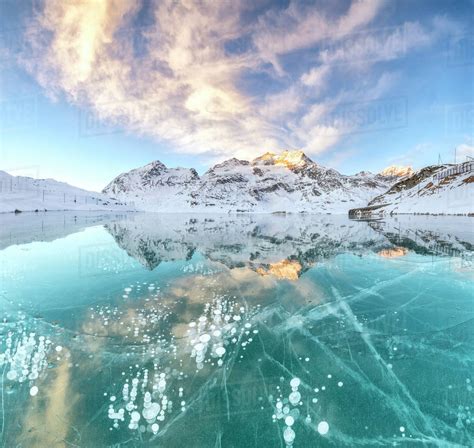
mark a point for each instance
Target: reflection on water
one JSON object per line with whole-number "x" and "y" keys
{"x": 236, "y": 331}
{"x": 394, "y": 252}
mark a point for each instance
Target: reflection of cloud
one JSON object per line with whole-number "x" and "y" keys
{"x": 285, "y": 269}
{"x": 51, "y": 426}
{"x": 394, "y": 252}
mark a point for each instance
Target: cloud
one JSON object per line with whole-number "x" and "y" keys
{"x": 316, "y": 77}
{"x": 297, "y": 27}
{"x": 464, "y": 152}
{"x": 184, "y": 77}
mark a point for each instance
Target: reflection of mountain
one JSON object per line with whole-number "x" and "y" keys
{"x": 26, "y": 228}
{"x": 283, "y": 246}
{"x": 254, "y": 241}
{"x": 150, "y": 252}
{"x": 440, "y": 235}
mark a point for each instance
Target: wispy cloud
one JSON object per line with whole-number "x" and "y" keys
{"x": 183, "y": 78}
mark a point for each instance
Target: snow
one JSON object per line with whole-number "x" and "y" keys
{"x": 28, "y": 194}
{"x": 453, "y": 194}
{"x": 288, "y": 182}
{"x": 397, "y": 170}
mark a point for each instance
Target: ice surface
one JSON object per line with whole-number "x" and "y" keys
{"x": 370, "y": 345}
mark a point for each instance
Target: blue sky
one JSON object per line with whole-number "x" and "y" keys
{"x": 91, "y": 89}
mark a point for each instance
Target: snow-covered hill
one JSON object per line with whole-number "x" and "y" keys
{"x": 287, "y": 182}
{"x": 437, "y": 189}
{"x": 19, "y": 193}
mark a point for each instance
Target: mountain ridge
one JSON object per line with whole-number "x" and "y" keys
{"x": 286, "y": 182}
{"x": 435, "y": 189}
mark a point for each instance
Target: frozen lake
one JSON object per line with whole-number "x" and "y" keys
{"x": 236, "y": 331}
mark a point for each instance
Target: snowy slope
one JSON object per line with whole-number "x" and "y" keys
{"x": 154, "y": 187}
{"x": 438, "y": 189}
{"x": 288, "y": 182}
{"x": 28, "y": 194}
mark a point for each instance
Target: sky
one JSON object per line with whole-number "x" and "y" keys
{"x": 90, "y": 89}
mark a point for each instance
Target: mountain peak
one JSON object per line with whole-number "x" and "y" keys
{"x": 264, "y": 159}
{"x": 364, "y": 174}
{"x": 290, "y": 159}
{"x": 155, "y": 165}
{"x": 231, "y": 163}
{"x": 397, "y": 170}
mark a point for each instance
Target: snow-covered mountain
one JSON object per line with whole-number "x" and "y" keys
{"x": 286, "y": 182}
{"x": 20, "y": 193}
{"x": 437, "y": 189}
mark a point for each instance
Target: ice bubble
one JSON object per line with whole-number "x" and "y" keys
{"x": 295, "y": 382}
{"x": 220, "y": 351}
{"x": 289, "y": 435}
{"x": 59, "y": 348}
{"x": 199, "y": 347}
{"x": 11, "y": 375}
{"x": 294, "y": 398}
{"x": 33, "y": 391}
{"x": 135, "y": 416}
{"x": 289, "y": 420}
{"x": 402, "y": 429}
{"x": 323, "y": 427}
{"x": 204, "y": 338}
{"x": 340, "y": 384}
{"x": 151, "y": 412}
{"x": 155, "y": 427}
